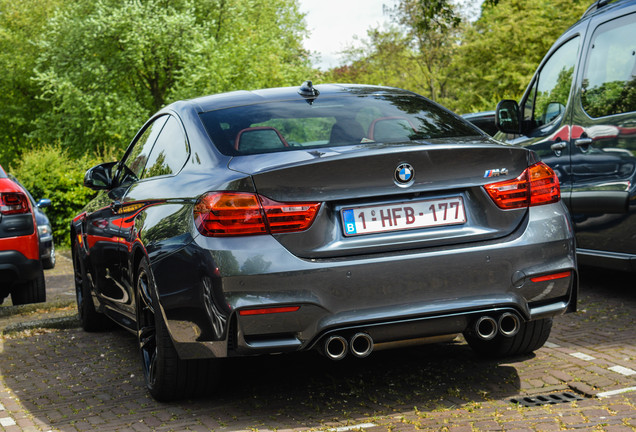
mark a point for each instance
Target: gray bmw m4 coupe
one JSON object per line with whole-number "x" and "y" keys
{"x": 337, "y": 218}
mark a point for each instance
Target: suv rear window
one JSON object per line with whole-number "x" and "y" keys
{"x": 330, "y": 121}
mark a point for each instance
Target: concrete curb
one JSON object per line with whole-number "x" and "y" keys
{"x": 63, "y": 322}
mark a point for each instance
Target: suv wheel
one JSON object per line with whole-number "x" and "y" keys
{"x": 33, "y": 291}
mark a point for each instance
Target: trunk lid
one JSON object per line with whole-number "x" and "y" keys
{"x": 360, "y": 181}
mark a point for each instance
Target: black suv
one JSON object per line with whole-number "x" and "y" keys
{"x": 579, "y": 114}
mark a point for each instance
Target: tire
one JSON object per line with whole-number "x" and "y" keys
{"x": 167, "y": 376}
{"x": 33, "y": 291}
{"x": 531, "y": 336}
{"x": 90, "y": 319}
{"x": 49, "y": 262}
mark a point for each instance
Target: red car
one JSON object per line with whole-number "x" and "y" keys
{"x": 21, "y": 273}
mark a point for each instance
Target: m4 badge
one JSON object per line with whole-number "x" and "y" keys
{"x": 496, "y": 172}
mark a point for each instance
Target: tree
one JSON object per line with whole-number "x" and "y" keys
{"x": 415, "y": 53}
{"x": 501, "y": 50}
{"x": 107, "y": 65}
{"x": 21, "y": 24}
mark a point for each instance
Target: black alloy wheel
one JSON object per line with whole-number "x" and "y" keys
{"x": 167, "y": 376}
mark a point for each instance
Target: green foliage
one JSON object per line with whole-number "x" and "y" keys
{"x": 130, "y": 58}
{"x": 21, "y": 22}
{"x": 49, "y": 172}
{"x": 501, "y": 50}
{"x": 416, "y": 55}
{"x": 465, "y": 66}
{"x": 614, "y": 97}
{"x": 88, "y": 73}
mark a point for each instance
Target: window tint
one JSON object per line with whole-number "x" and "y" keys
{"x": 134, "y": 163}
{"x": 170, "y": 151}
{"x": 330, "y": 121}
{"x": 609, "y": 80}
{"x": 549, "y": 95}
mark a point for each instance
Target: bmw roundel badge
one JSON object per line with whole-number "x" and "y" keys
{"x": 404, "y": 174}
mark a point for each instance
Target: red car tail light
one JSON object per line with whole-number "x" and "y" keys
{"x": 537, "y": 185}
{"x": 13, "y": 203}
{"x": 222, "y": 214}
{"x": 289, "y": 217}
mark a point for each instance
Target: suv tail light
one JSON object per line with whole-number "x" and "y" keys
{"x": 13, "y": 203}
{"x": 222, "y": 214}
{"x": 537, "y": 185}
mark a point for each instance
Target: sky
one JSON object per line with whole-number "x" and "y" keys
{"x": 333, "y": 24}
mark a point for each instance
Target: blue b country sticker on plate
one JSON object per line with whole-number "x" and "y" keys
{"x": 349, "y": 222}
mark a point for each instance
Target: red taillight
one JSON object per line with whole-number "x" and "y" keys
{"x": 219, "y": 214}
{"x": 289, "y": 217}
{"x": 544, "y": 185}
{"x": 13, "y": 203}
{"x": 537, "y": 185}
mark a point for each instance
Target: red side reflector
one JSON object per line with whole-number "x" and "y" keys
{"x": 265, "y": 311}
{"x": 551, "y": 277}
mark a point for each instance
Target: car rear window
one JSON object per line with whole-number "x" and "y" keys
{"x": 330, "y": 121}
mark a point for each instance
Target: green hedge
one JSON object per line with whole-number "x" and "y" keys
{"x": 48, "y": 172}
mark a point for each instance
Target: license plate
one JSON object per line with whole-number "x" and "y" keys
{"x": 402, "y": 216}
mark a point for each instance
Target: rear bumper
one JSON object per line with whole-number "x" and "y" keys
{"x": 16, "y": 268}
{"x": 399, "y": 295}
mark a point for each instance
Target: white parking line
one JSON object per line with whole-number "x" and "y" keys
{"x": 582, "y": 356}
{"x": 353, "y": 427}
{"x": 623, "y": 370}
{"x": 551, "y": 345}
{"x": 7, "y": 421}
{"x": 615, "y": 392}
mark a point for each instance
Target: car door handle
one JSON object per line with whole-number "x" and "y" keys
{"x": 581, "y": 142}
{"x": 558, "y": 146}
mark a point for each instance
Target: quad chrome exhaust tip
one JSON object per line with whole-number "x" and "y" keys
{"x": 336, "y": 347}
{"x": 361, "y": 345}
{"x": 507, "y": 325}
{"x": 486, "y": 327}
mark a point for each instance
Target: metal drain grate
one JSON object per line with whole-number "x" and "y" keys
{"x": 548, "y": 399}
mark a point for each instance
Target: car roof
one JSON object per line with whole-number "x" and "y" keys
{"x": 243, "y": 97}
{"x": 602, "y": 6}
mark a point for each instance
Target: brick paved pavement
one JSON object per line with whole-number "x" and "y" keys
{"x": 68, "y": 380}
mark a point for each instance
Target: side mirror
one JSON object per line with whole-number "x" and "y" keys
{"x": 554, "y": 110}
{"x": 43, "y": 203}
{"x": 507, "y": 116}
{"x": 100, "y": 176}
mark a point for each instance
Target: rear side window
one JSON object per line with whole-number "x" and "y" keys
{"x": 131, "y": 168}
{"x": 331, "y": 121}
{"x": 609, "y": 80}
{"x": 169, "y": 153}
